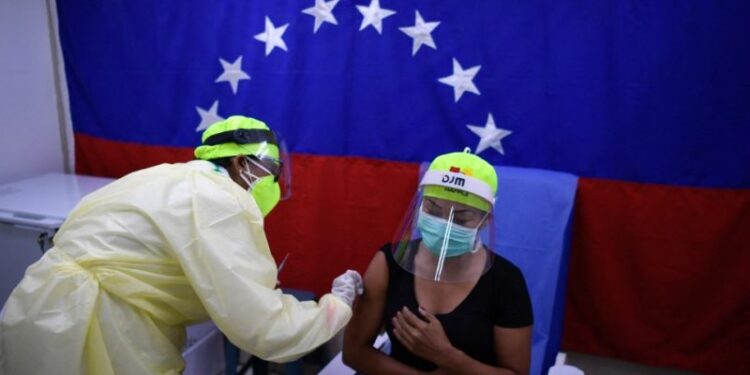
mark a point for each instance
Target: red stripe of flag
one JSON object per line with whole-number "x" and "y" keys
{"x": 661, "y": 275}
{"x": 658, "y": 274}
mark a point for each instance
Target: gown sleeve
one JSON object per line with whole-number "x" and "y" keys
{"x": 223, "y": 251}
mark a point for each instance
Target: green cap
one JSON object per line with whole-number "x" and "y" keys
{"x": 467, "y": 164}
{"x": 228, "y": 149}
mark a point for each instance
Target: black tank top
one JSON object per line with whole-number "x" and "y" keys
{"x": 499, "y": 298}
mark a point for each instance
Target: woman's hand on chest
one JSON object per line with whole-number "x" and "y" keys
{"x": 425, "y": 338}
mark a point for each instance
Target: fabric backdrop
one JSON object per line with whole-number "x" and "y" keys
{"x": 646, "y": 101}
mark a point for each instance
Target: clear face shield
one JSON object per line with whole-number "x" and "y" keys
{"x": 273, "y": 160}
{"x": 266, "y": 153}
{"x": 447, "y": 235}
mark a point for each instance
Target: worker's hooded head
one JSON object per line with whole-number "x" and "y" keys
{"x": 254, "y": 155}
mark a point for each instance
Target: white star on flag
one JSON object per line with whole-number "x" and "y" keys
{"x": 461, "y": 80}
{"x": 208, "y": 117}
{"x": 374, "y": 15}
{"x": 323, "y": 12}
{"x": 232, "y": 73}
{"x": 272, "y": 36}
{"x": 420, "y": 32}
{"x": 489, "y": 135}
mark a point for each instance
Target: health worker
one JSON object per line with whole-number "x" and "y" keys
{"x": 163, "y": 248}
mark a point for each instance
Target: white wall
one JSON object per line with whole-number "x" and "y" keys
{"x": 31, "y": 140}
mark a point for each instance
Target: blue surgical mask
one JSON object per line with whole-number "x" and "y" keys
{"x": 460, "y": 239}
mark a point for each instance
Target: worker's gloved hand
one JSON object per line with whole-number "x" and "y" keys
{"x": 347, "y": 286}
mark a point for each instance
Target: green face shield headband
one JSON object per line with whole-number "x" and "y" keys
{"x": 243, "y": 136}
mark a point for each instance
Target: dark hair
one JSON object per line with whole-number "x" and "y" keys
{"x": 224, "y": 162}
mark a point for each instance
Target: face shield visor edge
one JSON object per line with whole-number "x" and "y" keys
{"x": 447, "y": 235}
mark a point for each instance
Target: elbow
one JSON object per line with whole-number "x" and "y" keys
{"x": 359, "y": 359}
{"x": 352, "y": 357}
{"x": 348, "y": 357}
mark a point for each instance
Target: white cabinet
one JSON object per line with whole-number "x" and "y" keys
{"x": 31, "y": 210}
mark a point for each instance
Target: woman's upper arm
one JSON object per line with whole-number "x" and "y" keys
{"x": 513, "y": 348}
{"x": 368, "y": 310}
{"x": 514, "y": 319}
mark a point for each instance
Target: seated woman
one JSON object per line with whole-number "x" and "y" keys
{"x": 448, "y": 303}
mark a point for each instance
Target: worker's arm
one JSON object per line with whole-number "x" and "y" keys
{"x": 231, "y": 269}
{"x": 365, "y": 324}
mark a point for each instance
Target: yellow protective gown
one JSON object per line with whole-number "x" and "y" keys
{"x": 141, "y": 258}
